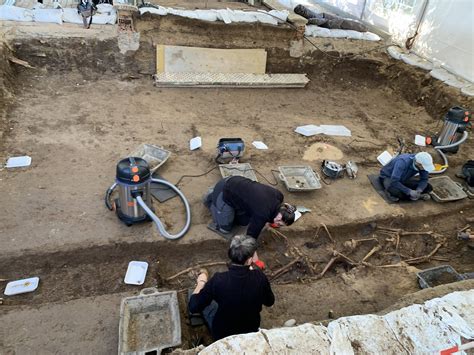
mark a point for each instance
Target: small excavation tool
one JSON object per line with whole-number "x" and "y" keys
{"x": 133, "y": 205}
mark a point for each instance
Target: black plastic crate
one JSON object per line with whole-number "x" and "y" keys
{"x": 438, "y": 275}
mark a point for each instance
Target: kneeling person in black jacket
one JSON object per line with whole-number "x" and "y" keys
{"x": 231, "y": 301}
{"x": 238, "y": 200}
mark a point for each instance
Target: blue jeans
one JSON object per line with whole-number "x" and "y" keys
{"x": 209, "y": 313}
{"x": 222, "y": 214}
{"x": 411, "y": 184}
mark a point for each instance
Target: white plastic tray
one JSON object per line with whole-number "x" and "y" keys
{"x": 19, "y": 162}
{"x": 21, "y": 286}
{"x": 136, "y": 273}
{"x": 299, "y": 178}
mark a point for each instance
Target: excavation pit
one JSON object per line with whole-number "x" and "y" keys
{"x": 85, "y": 106}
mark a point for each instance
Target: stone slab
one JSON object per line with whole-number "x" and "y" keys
{"x": 177, "y": 59}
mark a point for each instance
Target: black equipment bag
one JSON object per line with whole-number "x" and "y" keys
{"x": 468, "y": 172}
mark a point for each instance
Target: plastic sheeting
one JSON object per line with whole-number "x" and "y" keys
{"x": 445, "y": 36}
{"x": 437, "y": 324}
{"x": 225, "y": 15}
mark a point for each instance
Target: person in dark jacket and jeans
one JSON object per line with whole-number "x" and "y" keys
{"x": 231, "y": 301}
{"x": 86, "y": 8}
{"x": 238, "y": 200}
{"x": 398, "y": 177}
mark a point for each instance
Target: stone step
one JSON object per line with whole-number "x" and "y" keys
{"x": 235, "y": 80}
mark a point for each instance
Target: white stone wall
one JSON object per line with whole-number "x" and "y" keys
{"x": 437, "y": 324}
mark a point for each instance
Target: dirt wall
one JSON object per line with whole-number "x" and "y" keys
{"x": 415, "y": 85}
{"x": 97, "y": 57}
{"x": 91, "y": 57}
{"x": 7, "y": 77}
{"x": 175, "y": 30}
{"x": 420, "y": 89}
{"x": 94, "y": 57}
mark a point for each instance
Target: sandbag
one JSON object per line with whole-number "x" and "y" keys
{"x": 70, "y": 15}
{"x": 48, "y": 15}
{"x": 105, "y": 9}
{"x": 104, "y": 19}
{"x": 14, "y": 13}
{"x": 329, "y": 21}
{"x": 305, "y": 12}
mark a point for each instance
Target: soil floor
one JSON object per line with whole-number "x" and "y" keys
{"x": 77, "y": 126}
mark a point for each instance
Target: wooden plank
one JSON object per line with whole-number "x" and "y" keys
{"x": 180, "y": 59}
{"x": 160, "y": 58}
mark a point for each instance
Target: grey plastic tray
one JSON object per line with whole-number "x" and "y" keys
{"x": 240, "y": 169}
{"x": 299, "y": 178}
{"x": 155, "y": 156}
{"x": 446, "y": 190}
{"x": 438, "y": 275}
{"x": 149, "y": 322}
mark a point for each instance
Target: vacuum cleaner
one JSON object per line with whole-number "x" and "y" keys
{"x": 134, "y": 204}
{"x": 452, "y": 134}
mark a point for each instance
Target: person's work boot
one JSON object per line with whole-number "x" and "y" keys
{"x": 222, "y": 232}
{"x": 391, "y": 198}
{"x": 425, "y": 197}
{"x": 207, "y": 198}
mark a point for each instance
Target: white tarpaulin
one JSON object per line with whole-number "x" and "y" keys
{"x": 446, "y": 36}
{"x": 446, "y": 32}
{"x": 438, "y": 324}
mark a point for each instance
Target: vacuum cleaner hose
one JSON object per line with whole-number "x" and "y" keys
{"x": 439, "y": 149}
{"x": 107, "y": 196}
{"x": 154, "y": 217}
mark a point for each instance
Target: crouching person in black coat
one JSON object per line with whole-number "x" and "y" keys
{"x": 231, "y": 301}
{"x": 241, "y": 201}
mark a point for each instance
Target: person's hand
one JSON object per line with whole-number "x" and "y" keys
{"x": 414, "y": 195}
{"x": 201, "y": 280}
{"x": 203, "y": 276}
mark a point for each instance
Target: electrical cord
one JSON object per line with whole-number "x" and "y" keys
{"x": 323, "y": 177}
{"x": 192, "y": 176}
{"x": 230, "y": 168}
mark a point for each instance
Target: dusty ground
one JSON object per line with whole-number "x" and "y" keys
{"x": 76, "y": 124}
